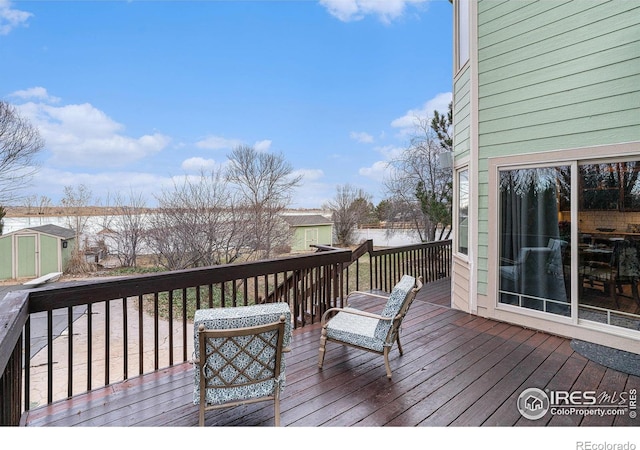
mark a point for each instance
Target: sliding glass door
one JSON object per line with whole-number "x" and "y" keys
{"x": 533, "y": 241}
{"x": 609, "y": 243}
{"x": 537, "y": 240}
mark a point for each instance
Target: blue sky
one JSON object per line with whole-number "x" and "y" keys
{"x": 130, "y": 95}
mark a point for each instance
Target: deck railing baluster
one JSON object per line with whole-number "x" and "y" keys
{"x": 125, "y": 339}
{"x": 70, "y": 352}
{"x": 140, "y": 335}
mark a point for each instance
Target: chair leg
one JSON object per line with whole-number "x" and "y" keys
{"x": 323, "y": 344}
{"x": 634, "y": 292}
{"x": 202, "y": 405}
{"x": 387, "y": 366}
{"x": 614, "y": 292}
{"x": 399, "y": 344}
{"x": 276, "y": 402}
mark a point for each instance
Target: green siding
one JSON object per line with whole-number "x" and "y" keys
{"x": 67, "y": 253}
{"x": 48, "y": 255}
{"x": 462, "y": 114}
{"x": 553, "y": 75}
{"x": 6, "y": 257}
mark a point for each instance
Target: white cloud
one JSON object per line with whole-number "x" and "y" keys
{"x": 376, "y": 172}
{"x": 412, "y": 117}
{"x": 352, "y": 10}
{"x": 36, "y": 93}
{"x": 308, "y": 174}
{"x": 51, "y": 182}
{"x": 196, "y": 164}
{"x": 11, "y": 18}
{"x": 361, "y": 137}
{"x": 262, "y": 146}
{"x": 82, "y": 135}
{"x": 390, "y": 152}
{"x": 218, "y": 143}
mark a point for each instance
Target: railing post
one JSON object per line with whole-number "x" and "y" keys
{"x": 11, "y": 389}
{"x": 13, "y": 316}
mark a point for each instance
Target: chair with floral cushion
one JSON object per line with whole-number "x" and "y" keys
{"x": 367, "y": 331}
{"x": 239, "y": 356}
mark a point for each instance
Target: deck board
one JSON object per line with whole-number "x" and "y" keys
{"x": 457, "y": 370}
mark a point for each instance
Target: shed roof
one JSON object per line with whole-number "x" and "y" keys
{"x": 53, "y": 230}
{"x": 301, "y": 220}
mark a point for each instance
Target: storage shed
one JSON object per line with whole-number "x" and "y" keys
{"x": 309, "y": 229}
{"x": 36, "y": 251}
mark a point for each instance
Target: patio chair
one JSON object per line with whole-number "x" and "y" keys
{"x": 367, "y": 331}
{"x": 622, "y": 268}
{"x": 239, "y": 356}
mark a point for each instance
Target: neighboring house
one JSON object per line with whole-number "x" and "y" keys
{"x": 36, "y": 251}
{"x": 546, "y": 112}
{"x": 308, "y": 230}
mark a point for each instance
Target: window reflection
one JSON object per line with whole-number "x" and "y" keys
{"x": 609, "y": 243}
{"x": 534, "y": 244}
{"x": 463, "y": 211}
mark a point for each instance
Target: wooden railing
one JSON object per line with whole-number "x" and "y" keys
{"x": 386, "y": 266}
{"x": 61, "y": 341}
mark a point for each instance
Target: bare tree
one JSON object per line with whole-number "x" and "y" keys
{"x": 264, "y": 183}
{"x": 197, "y": 224}
{"x": 40, "y": 204}
{"x": 3, "y": 212}
{"x": 125, "y": 235}
{"x": 75, "y": 201}
{"x": 349, "y": 207}
{"x": 420, "y": 191}
{"x": 20, "y": 142}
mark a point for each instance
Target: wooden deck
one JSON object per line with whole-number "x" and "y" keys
{"x": 457, "y": 370}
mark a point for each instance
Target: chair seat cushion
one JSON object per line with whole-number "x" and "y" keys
{"x": 355, "y": 330}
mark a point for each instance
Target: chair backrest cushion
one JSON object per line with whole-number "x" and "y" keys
{"x": 395, "y": 301}
{"x": 626, "y": 260}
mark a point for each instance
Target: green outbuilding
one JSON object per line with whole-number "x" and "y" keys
{"x": 34, "y": 252}
{"x": 309, "y": 229}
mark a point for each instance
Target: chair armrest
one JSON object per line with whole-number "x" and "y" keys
{"x": 368, "y": 294}
{"x": 355, "y": 312}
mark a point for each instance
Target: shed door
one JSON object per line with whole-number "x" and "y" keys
{"x": 49, "y": 248}
{"x": 310, "y": 237}
{"x": 26, "y": 256}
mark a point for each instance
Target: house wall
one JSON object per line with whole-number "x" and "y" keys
{"x": 462, "y": 116}
{"x": 6, "y": 258}
{"x": 66, "y": 253}
{"x": 552, "y": 76}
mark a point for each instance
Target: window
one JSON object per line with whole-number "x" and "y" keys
{"x": 462, "y": 32}
{"x": 463, "y": 212}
